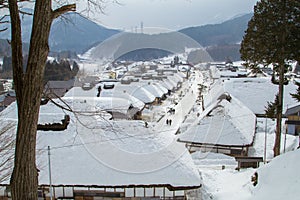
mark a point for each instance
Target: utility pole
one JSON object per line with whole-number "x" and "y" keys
{"x": 285, "y": 128}
{"x": 142, "y": 27}
{"x": 265, "y": 148}
{"x": 50, "y": 181}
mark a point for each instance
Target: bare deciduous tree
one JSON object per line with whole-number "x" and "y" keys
{"x": 29, "y": 85}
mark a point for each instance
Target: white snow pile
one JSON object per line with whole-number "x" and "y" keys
{"x": 279, "y": 179}
{"x": 213, "y": 159}
{"x": 265, "y": 134}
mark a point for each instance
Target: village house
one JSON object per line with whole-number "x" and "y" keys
{"x": 98, "y": 158}
{"x": 293, "y": 120}
{"x": 54, "y": 89}
{"x": 225, "y": 126}
{"x": 1, "y": 88}
{"x": 6, "y": 99}
{"x": 118, "y": 106}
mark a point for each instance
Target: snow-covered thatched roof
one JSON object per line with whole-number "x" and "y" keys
{"x": 153, "y": 89}
{"x": 109, "y": 156}
{"x": 160, "y": 86}
{"x": 256, "y": 92}
{"x": 293, "y": 110}
{"x": 225, "y": 122}
{"x": 121, "y": 94}
{"x": 96, "y": 151}
{"x": 60, "y": 84}
{"x": 137, "y": 91}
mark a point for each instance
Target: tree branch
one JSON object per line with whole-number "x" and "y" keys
{"x": 25, "y": 13}
{"x": 3, "y": 21}
{"x": 66, "y": 8}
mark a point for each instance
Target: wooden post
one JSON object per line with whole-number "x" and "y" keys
{"x": 53, "y": 192}
{"x": 64, "y": 191}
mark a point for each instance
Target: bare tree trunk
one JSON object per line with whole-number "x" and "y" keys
{"x": 279, "y": 109}
{"x": 28, "y": 86}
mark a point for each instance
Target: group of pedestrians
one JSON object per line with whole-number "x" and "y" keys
{"x": 169, "y": 122}
{"x": 171, "y": 111}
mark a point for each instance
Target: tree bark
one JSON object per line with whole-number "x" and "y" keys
{"x": 279, "y": 109}
{"x": 282, "y": 67}
{"x": 28, "y": 87}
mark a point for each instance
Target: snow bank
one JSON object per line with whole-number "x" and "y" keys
{"x": 279, "y": 179}
{"x": 226, "y": 184}
{"x": 213, "y": 159}
{"x": 260, "y": 136}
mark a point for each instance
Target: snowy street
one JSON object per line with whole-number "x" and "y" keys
{"x": 184, "y": 105}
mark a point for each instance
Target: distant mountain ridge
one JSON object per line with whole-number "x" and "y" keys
{"x": 77, "y": 33}
{"x": 71, "y": 32}
{"x": 138, "y": 46}
{"x": 222, "y": 42}
{"x": 228, "y": 32}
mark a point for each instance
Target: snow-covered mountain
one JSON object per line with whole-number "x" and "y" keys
{"x": 228, "y": 32}
{"x": 136, "y": 46}
{"x": 72, "y": 32}
{"x": 77, "y": 33}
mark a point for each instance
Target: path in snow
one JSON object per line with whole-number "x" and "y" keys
{"x": 182, "y": 108}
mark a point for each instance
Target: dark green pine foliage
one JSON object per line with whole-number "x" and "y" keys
{"x": 272, "y": 37}
{"x": 296, "y": 95}
{"x": 60, "y": 71}
{"x": 263, "y": 42}
{"x": 271, "y": 109}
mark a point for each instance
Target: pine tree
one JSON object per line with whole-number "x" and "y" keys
{"x": 273, "y": 38}
{"x": 296, "y": 95}
{"x": 271, "y": 109}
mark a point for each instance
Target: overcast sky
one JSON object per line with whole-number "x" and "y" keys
{"x": 171, "y": 14}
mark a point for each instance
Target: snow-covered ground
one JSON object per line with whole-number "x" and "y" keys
{"x": 228, "y": 183}
{"x": 279, "y": 179}
{"x": 131, "y": 153}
